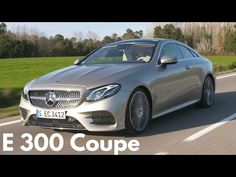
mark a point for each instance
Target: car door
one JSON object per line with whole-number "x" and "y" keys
{"x": 192, "y": 82}
{"x": 172, "y": 80}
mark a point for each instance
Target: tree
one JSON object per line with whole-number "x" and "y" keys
{"x": 69, "y": 50}
{"x": 205, "y": 44}
{"x": 3, "y": 28}
{"x": 132, "y": 35}
{"x": 114, "y": 36}
{"x": 93, "y": 40}
{"x": 24, "y": 42}
{"x": 59, "y": 37}
{"x": 230, "y": 42}
{"x": 168, "y": 31}
{"x": 58, "y": 45}
{"x": 79, "y": 36}
{"x": 5, "y": 46}
{"x": 107, "y": 40}
{"x": 139, "y": 33}
{"x": 189, "y": 40}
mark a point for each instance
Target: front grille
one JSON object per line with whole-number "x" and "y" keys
{"x": 65, "y": 99}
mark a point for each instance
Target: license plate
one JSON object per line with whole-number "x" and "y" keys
{"x": 49, "y": 114}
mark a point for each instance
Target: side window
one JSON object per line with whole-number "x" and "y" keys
{"x": 194, "y": 53}
{"x": 171, "y": 50}
{"x": 185, "y": 52}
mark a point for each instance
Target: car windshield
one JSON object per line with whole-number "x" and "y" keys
{"x": 122, "y": 53}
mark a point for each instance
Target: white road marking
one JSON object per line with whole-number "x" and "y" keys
{"x": 9, "y": 123}
{"x": 209, "y": 128}
{"x": 161, "y": 153}
{"x": 225, "y": 76}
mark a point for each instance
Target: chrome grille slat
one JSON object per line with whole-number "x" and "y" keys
{"x": 37, "y": 98}
{"x": 66, "y": 99}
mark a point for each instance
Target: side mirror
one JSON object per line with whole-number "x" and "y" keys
{"x": 166, "y": 60}
{"x": 76, "y": 61}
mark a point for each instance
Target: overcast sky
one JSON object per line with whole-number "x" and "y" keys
{"x": 67, "y": 29}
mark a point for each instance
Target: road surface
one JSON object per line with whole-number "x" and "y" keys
{"x": 191, "y": 130}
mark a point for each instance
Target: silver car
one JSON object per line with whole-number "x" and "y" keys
{"x": 120, "y": 86}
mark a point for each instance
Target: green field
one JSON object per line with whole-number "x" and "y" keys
{"x": 222, "y": 59}
{"x": 15, "y": 73}
{"x": 223, "y": 64}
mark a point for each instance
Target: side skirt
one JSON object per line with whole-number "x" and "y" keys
{"x": 174, "y": 109}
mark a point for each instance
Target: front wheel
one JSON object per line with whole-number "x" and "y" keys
{"x": 208, "y": 93}
{"x": 137, "y": 112}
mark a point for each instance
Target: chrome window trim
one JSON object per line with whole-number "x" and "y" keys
{"x": 176, "y": 43}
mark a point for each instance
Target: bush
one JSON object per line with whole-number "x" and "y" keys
{"x": 233, "y": 65}
{"x": 221, "y": 67}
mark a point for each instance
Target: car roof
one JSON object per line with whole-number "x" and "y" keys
{"x": 154, "y": 40}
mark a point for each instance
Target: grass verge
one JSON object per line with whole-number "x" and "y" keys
{"x": 9, "y": 111}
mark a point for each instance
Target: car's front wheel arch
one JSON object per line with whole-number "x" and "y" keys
{"x": 149, "y": 96}
{"x": 128, "y": 123}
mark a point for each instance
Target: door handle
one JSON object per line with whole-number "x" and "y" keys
{"x": 188, "y": 67}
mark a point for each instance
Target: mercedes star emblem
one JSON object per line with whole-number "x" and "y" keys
{"x": 51, "y": 99}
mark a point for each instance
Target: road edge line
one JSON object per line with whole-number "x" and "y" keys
{"x": 161, "y": 153}
{"x": 9, "y": 123}
{"x": 209, "y": 128}
{"x": 226, "y": 75}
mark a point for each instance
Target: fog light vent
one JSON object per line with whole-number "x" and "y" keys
{"x": 23, "y": 113}
{"x": 102, "y": 118}
{"x": 71, "y": 119}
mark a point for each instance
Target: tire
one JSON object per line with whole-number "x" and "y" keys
{"x": 208, "y": 93}
{"x": 137, "y": 112}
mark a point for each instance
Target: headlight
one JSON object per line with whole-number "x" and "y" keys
{"x": 26, "y": 90}
{"x": 103, "y": 92}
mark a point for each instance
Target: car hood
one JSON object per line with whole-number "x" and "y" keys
{"x": 89, "y": 76}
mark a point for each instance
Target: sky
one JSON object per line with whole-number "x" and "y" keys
{"x": 67, "y": 29}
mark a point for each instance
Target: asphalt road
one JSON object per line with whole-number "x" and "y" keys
{"x": 190, "y": 130}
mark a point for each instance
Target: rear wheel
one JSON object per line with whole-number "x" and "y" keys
{"x": 208, "y": 93}
{"x": 137, "y": 112}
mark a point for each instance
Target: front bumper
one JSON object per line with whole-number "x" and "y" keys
{"x": 104, "y": 115}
